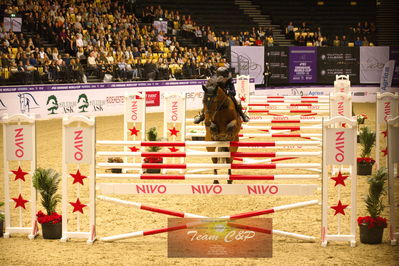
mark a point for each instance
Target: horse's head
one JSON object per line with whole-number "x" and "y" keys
{"x": 211, "y": 91}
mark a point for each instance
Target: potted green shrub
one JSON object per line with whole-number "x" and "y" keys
{"x": 152, "y": 135}
{"x": 360, "y": 121}
{"x": 115, "y": 160}
{"x": 367, "y": 141}
{"x": 46, "y": 181}
{"x": 1, "y": 220}
{"x": 372, "y": 226}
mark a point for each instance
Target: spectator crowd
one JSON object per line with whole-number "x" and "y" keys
{"x": 71, "y": 41}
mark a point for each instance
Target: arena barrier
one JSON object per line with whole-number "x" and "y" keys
{"x": 78, "y": 154}
{"x": 19, "y": 140}
{"x": 330, "y": 130}
{"x": 393, "y": 160}
{"x": 386, "y": 105}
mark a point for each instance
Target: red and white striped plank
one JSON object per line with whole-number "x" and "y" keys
{"x": 292, "y": 97}
{"x": 289, "y": 128}
{"x": 190, "y": 215}
{"x": 307, "y": 111}
{"x": 204, "y": 189}
{"x": 266, "y": 135}
{"x": 210, "y": 154}
{"x": 281, "y": 119}
{"x": 282, "y": 107}
{"x": 207, "y": 176}
{"x": 210, "y": 165}
{"x": 208, "y": 143}
{"x": 287, "y": 104}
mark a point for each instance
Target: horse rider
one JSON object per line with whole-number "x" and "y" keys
{"x": 224, "y": 72}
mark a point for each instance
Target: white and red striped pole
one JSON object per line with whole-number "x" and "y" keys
{"x": 190, "y": 215}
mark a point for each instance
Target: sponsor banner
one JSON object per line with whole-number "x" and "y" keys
{"x": 277, "y": 58}
{"x": 248, "y": 60}
{"x": 193, "y": 189}
{"x": 341, "y": 151}
{"x": 220, "y": 238}
{"x": 340, "y": 105}
{"x": 394, "y": 55}
{"x": 78, "y": 145}
{"x": 302, "y": 64}
{"x": 372, "y": 61}
{"x": 332, "y": 61}
{"x": 101, "y": 99}
{"x": 152, "y": 98}
{"x": 19, "y": 142}
{"x": 360, "y": 94}
{"x": 387, "y": 75}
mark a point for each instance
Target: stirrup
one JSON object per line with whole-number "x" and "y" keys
{"x": 199, "y": 118}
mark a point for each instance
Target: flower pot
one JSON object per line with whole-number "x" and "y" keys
{"x": 197, "y": 138}
{"x": 116, "y": 170}
{"x": 153, "y": 171}
{"x": 1, "y": 228}
{"x": 52, "y": 231}
{"x": 153, "y": 160}
{"x": 364, "y": 168}
{"x": 371, "y": 235}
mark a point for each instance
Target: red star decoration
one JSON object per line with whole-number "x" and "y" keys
{"x": 20, "y": 202}
{"x": 343, "y": 124}
{"x": 19, "y": 174}
{"x": 339, "y": 208}
{"x": 385, "y": 133}
{"x": 385, "y": 151}
{"x": 242, "y": 98}
{"x": 134, "y": 131}
{"x": 339, "y": 179}
{"x": 173, "y": 149}
{"x": 134, "y": 149}
{"x": 173, "y": 131}
{"x": 77, "y": 206}
{"x": 78, "y": 178}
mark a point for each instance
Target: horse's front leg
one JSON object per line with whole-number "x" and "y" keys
{"x": 215, "y": 161}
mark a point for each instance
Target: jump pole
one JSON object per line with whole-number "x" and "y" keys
{"x": 393, "y": 158}
{"x": 175, "y": 115}
{"x": 340, "y": 151}
{"x": 190, "y": 215}
{"x": 386, "y": 106}
{"x": 19, "y": 140}
{"x": 134, "y": 115}
{"x": 78, "y": 131}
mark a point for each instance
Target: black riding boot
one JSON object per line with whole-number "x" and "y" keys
{"x": 238, "y": 106}
{"x": 199, "y": 118}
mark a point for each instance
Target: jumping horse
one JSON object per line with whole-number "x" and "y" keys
{"x": 222, "y": 121}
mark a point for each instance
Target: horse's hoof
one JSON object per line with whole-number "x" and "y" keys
{"x": 215, "y": 181}
{"x": 229, "y": 181}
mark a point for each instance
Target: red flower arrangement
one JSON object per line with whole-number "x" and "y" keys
{"x": 372, "y": 222}
{"x": 53, "y": 218}
{"x": 360, "y": 118}
{"x": 153, "y": 160}
{"x": 365, "y": 160}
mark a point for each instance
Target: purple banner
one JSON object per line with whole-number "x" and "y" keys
{"x": 302, "y": 65}
{"x": 394, "y": 55}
